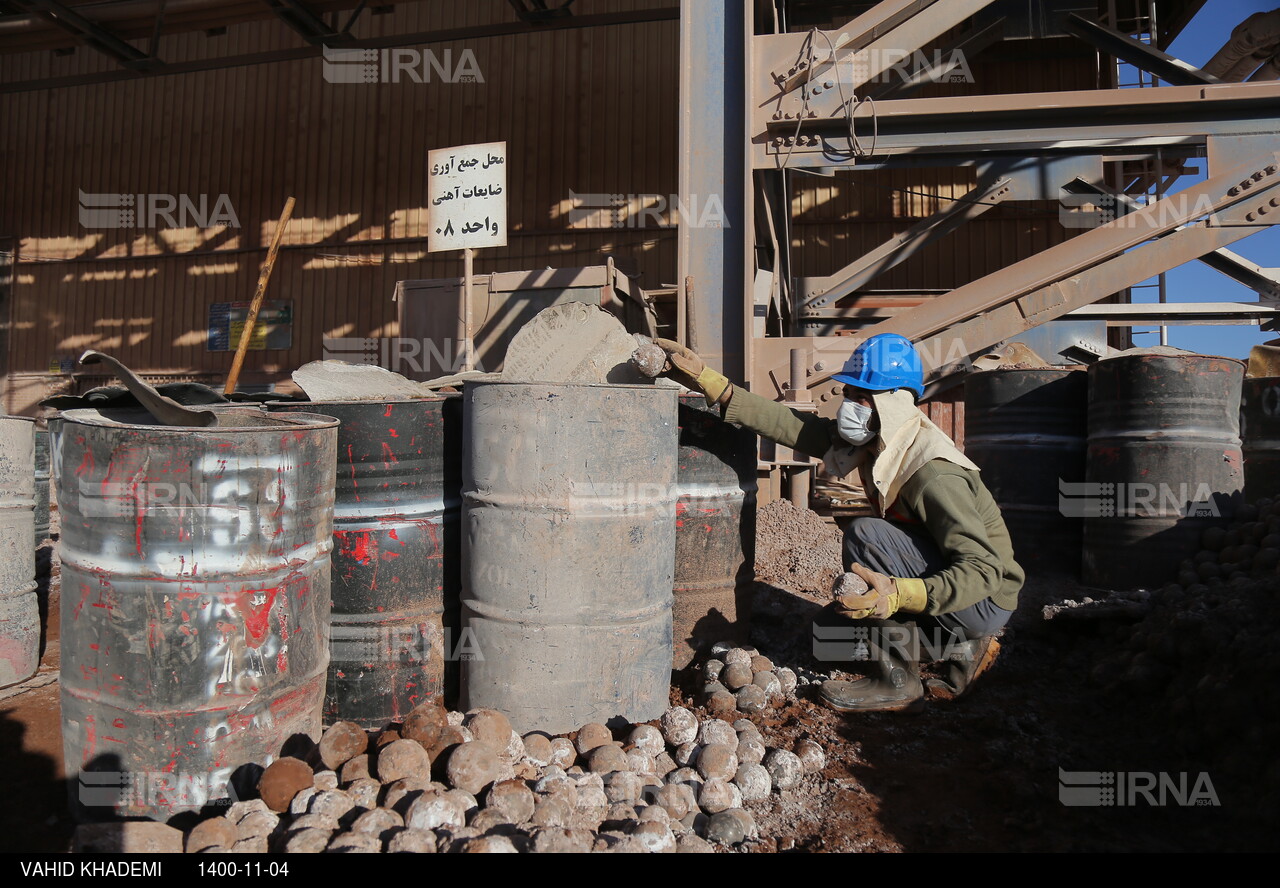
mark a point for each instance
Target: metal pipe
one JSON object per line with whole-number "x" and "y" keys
{"x": 798, "y": 484}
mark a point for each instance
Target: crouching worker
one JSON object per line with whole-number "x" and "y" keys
{"x": 933, "y": 577}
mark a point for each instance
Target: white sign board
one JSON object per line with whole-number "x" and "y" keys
{"x": 468, "y": 199}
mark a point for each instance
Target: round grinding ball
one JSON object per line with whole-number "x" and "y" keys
{"x": 424, "y": 724}
{"x": 606, "y": 759}
{"x": 342, "y": 742}
{"x": 717, "y": 761}
{"x": 591, "y": 736}
{"x": 646, "y": 738}
{"x": 489, "y": 726}
{"x": 401, "y": 759}
{"x": 785, "y": 768}
{"x": 769, "y": 683}
{"x": 563, "y": 753}
{"x": 736, "y": 675}
{"x": 751, "y": 749}
{"x": 679, "y": 726}
{"x": 538, "y": 749}
{"x": 686, "y": 755}
{"x": 472, "y": 767}
{"x": 753, "y": 781}
{"x": 787, "y": 678}
{"x": 813, "y": 758}
{"x": 512, "y": 799}
{"x": 731, "y": 827}
{"x": 282, "y": 780}
{"x": 716, "y": 795}
{"x": 722, "y": 705}
{"x": 715, "y": 730}
{"x": 751, "y": 698}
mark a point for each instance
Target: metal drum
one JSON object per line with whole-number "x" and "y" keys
{"x": 1164, "y": 462}
{"x": 1025, "y": 429}
{"x": 715, "y": 531}
{"x": 568, "y": 497}
{"x": 396, "y": 558}
{"x": 19, "y": 610}
{"x": 1260, "y": 434}
{"x": 195, "y": 601}
{"x": 42, "y": 485}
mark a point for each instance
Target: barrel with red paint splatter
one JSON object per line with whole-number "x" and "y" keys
{"x": 195, "y": 601}
{"x": 715, "y": 531}
{"x": 395, "y": 555}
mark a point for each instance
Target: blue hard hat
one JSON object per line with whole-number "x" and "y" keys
{"x": 883, "y": 363}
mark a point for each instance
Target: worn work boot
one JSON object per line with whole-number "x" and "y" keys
{"x": 968, "y": 660}
{"x": 895, "y": 687}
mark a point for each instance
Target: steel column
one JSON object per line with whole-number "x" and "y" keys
{"x": 713, "y": 175}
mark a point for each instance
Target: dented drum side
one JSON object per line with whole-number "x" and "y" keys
{"x": 1026, "y": 430}
{"x": 569, "y": 495}
{"x": 715, "y": 531}
{"x": 195, "y": 590}
{"x": 42, "y": 486}
{"x": 1163, "y": 463}
{"x": 19, "y": 610}
{"x": 396, "y": 559}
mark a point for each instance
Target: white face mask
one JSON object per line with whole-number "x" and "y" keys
{"x": 852, "y": 421}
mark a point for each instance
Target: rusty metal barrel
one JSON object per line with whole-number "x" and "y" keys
{"x": 568, "y": 545}
{"x": 715, "y": 531}
{"x": 396, "y": 556}
{"x": 1025, "y": 429}
{"x": 1260, "y": 436}
{"x": 1163, "y": 463}
{"x": 19, "y": 609}
{"x": 42, "y": 486}
{"x": 195, "y": 601}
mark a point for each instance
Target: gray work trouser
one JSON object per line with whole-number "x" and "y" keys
{"x": 899, "y": 550}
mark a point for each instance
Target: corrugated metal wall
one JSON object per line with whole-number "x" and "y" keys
{"x": 589, "y": 111}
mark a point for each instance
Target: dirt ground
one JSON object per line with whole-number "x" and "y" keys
{"x": 976, "y": 774}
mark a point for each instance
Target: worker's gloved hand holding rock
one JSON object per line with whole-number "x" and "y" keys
{"x": 862, "y": 594}
{"x": 686, "y": 368}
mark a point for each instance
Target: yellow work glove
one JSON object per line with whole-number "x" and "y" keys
{"x": 883, "y": 597}
{"x": 686, "y": 368}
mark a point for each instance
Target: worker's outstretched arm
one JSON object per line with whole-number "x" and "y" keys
{"x": 805, "y": 432}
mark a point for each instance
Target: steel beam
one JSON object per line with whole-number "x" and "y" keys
{"x": 1244, "y": 191}
{"x": 298, "y": 16}
{"x": 1167, "y": 313}
{"x": 819, "y": 292}
{"x": 1103, "y": 122}
{"x": 712, "y": 253}
{"x": 949, "y": 352}
{"x": 1141, "y": 55}
{"x": 94, "y": 34}
{"x": 950, "y": 330}
{"x": 966, "y": 46}
{"x": 1263, "y": 281}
